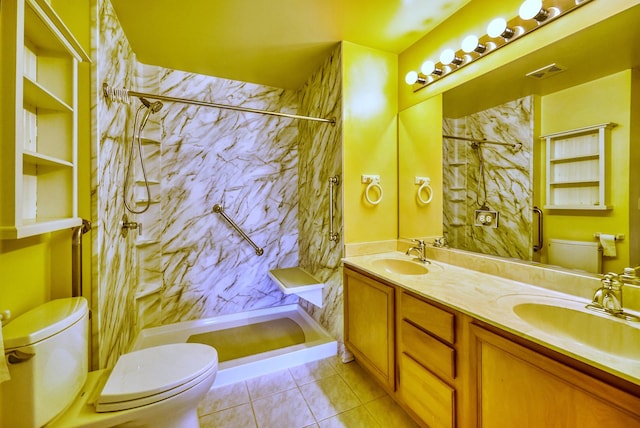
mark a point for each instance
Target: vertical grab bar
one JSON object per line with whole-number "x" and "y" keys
{"x": 76, "y": 257}
{"x": 538, "y": 246}
{"x": 333, "y": 181}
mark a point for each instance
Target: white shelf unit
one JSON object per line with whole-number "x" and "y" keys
{"x": 576, "y": 168}
{"x": 39, "y": 101}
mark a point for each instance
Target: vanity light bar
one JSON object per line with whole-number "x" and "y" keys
{"x": 499, "y": 33}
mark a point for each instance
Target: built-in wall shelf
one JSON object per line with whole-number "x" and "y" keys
{"x": 576, "y": 169}
{"x": 39, "y": 61}
{"x": 141, "y": 243}
{"x": 298, "y": 281}
{"x": 147, "y": 289}
{"x": 149, "y": 141}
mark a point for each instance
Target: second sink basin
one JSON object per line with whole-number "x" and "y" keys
{"x": 399, "y": 266}
{"x": 572, "y": 320}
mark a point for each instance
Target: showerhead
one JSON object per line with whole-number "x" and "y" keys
{"x": 154, "y": 107}
{"x": 151, "y": 108}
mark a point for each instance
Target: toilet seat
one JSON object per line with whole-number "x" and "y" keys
{"x": 153, "y": 374}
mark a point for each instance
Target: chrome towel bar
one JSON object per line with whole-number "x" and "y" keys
{"x": 219, "y": 209}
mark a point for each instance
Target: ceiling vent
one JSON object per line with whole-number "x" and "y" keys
{"x": 546, "y": 71}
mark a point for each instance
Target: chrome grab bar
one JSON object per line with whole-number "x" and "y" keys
{"x": 538, "y": 246}
{"x": 219, "y": 209}
{"x": 76, "y": 257}
{"x": 333, "y": 181}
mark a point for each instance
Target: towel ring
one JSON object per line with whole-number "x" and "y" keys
{"x": 425, "y": 186}
{"x": 373, "y": 184}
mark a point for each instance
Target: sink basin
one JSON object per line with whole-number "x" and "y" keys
{"x": 570, "y": 319}
{"x": 399, "y": 266}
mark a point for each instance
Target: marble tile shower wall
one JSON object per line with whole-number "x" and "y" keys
{"x": 114, "y": 274}
{"x": 149, "y": 283}
{"x": 508, "y": 175}
{"x": 189, "y": 263}
{"x": 320, "y": 157}
{"x": 248, "y": 161}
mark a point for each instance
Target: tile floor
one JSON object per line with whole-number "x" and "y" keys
{"x": 324, "y": 394}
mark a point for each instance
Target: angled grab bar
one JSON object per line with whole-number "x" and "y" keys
{"x": 219, "y": 209}
{"x": 333, "y": 181}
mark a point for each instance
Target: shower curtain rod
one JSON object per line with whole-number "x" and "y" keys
{"x": 516, "y": 146}
{"x": 122, "y": 95}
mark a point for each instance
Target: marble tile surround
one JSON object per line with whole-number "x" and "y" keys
{"x": 189, "y": 263}
{"x": 320, "y": 157}
{"x": 508, "y": 176}
{"x": 114, "y": 275}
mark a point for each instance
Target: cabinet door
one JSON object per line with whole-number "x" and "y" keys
{"x": 518, "y": 387}
{"x": 369, "y": 325}
{"x": 432, "y": 400}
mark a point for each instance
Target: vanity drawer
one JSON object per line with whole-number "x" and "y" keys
{"x": 428, "y": 351}
{"x": 428, "y": 317}
{"x": 431, "y": 399}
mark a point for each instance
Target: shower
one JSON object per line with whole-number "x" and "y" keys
{"x": 151, "y": 107}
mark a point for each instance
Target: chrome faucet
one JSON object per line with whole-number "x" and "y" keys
{"x": 608, "y": 298}
{"x": 440, "y": 242}
{"x": 419, "y": 250}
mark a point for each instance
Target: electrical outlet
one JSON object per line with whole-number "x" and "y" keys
{"x": 486, "y": 218}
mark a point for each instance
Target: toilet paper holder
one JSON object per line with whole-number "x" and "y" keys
{"x": 618, "y": 237}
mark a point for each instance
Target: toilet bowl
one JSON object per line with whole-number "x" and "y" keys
{"x": 47, "y": 354}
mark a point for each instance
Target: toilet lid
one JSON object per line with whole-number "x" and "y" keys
{"x": 154, "y": 371}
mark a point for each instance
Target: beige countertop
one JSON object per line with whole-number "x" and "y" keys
{"x": 495, "y": 300}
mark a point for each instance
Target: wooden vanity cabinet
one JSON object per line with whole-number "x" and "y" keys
{"x": 519, "y": 387}
{"x": 447, "y": 369}
{"x": 429, "y": 370}
{"x": 369, "y": 325}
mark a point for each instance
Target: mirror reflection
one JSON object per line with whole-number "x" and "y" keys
{"x": 577, "y": 205}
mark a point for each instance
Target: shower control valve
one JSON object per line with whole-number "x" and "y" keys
{"x": 125, "y": 225}
{"x": 486, "y": 218}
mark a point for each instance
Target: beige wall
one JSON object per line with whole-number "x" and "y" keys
{"x": 369, "y": 141}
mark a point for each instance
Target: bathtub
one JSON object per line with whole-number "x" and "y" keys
{"x": 298, "y": 339}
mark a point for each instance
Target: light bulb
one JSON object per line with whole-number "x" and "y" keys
{"x": 448, "y": 56}
{"x": 411, "y": 77}
{"x": 533, "y": 9}
{"x": 498, "y": 27}
{"x": 427, "y": 67}
{"x": 471, "y": 43}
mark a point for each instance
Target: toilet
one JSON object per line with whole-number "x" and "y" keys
{"x": 47, "y": 353}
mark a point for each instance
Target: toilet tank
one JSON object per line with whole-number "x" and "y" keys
{"x": 47, "y": 352}
{"x": 581, "y": 255}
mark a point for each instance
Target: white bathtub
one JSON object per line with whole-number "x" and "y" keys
{"x": 318, "y": 343}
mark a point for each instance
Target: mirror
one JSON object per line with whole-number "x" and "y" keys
{"x": 583, "y": 80}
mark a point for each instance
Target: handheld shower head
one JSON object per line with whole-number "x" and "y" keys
{"x": 151, "y": 108}
{"x": 154, "y": 107}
